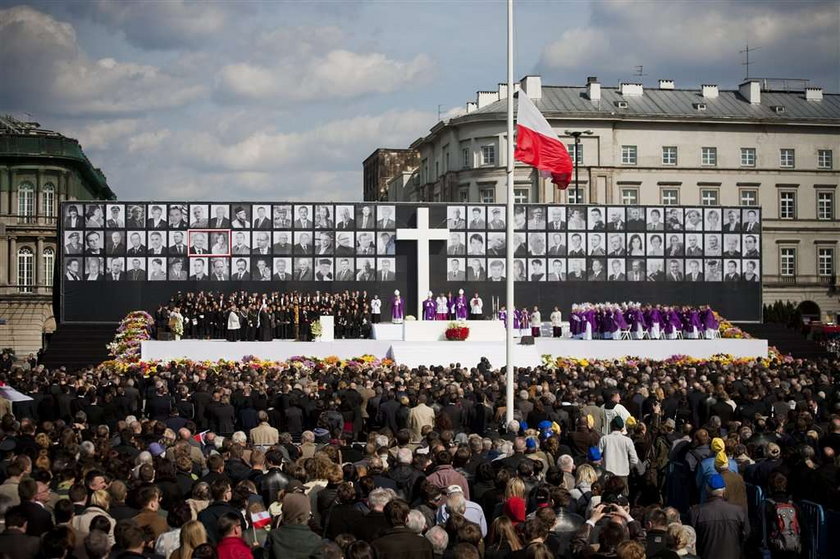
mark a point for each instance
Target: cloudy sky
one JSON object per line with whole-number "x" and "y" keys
{"x": 283, "y": 100}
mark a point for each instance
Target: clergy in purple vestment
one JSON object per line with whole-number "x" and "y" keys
{"x": 517, "y": 319}
{"x": 618, "y": 318}
{"x": 429, "y": 307}
{"x": 655, "y": 323}
{"x": 694, "y": 324}
{"x": 461, "y": 310}
{"x": 397, "y": 308}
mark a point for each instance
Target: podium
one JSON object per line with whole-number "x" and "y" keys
{"x": 327, "y": 328}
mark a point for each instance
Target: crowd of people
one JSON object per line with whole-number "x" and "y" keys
{"x": 625, "y": 459}
{"x": 612, "y": 321}
{"x": 244, "y": 316}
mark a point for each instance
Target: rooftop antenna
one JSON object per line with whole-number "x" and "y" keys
{"x": 746, "y": 52}
{"x": 640, "y": 71}
{"x": 439, "y": 113}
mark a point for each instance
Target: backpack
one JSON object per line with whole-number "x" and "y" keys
{"x": 784, "y": 528}
{"x": 583, "y": 502}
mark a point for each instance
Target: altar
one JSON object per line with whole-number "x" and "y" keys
{"x": 435, "y": 331}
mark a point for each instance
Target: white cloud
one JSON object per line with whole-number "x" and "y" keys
{"x": 100, "y": 135}
{"x": 52, "y": 74}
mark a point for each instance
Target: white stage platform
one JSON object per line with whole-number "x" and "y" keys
{"x": 444, "y": 353}
{"x": 434, "y": 331}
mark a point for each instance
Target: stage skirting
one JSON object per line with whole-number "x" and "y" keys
{"x": 434, "y": 331}
{"x": 444, "y": 353}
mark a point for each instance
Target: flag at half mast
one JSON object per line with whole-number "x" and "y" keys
{"x": 538, "y": 145}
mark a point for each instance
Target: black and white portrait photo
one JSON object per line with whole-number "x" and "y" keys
{"x": 536, "y": 269}
{"x": 615, "y": 269}
{"x": 199, "y": 216}
{"x": 750, "y": 222}
{"x": 556, "y": 269}
{"x": 94, "y": 268}
{"x": 476, "y": 270}
{"x": 655, "y": 244}
{"x": 73, "y": 269}
{"x": 496, "y": 218}
{"x": 219, "y": 216}
{"x": 323, "y": 269}
{"x": 115, "y": 268}
{"x": 73, "y": 216}
{"x": 73, "y": 243}
{"x": 476, "y": 244}
{"x": 386, "y": 217}
{"x": 713, "y": 270}
{"x": 261, "y": 217}
{"x": 496, "y": 245}
{"x": 496, "y": 269}
{"x": 365, "y": 219}
{"x": 324, "y": 243}
{"x": 94, "y": 242}
{"x": 616, "y": 220}
{"x": 386, "y": 269}
{"x": 556, "y": 243}
{"x": 135, "y": 216}
{"x": 596, "y": 219}
{"x": 455, "y": 269}
{"x": 197, "y": 271}
{"x": 157, "y": 243}
{"x": 136, "y": 269}
{"x": 536, "y": 218}
{"x": 177, "y": 244}
{"x": 456, "y": 246}
{"x": 156, "y": 268}
{"x": 303, "y": 243}
{"x": 694, "y": 270}
{"x": 199, "y": 243}
{"x": 303, "y": 216}
{"x": 655, "y": 221}
{"x": 732, "y": 269}
{"x": 324, "y": 216}
{"x": 365, "y": 269}
{"x": 240, "y": 216}
{"x": 304, "y": 269}
{"x": 261, "y": 268}
{"x": 731, "y": 246}
{"x": 178, "y": 269}
{"x": 711, "y": 219}
{"x": 385, "y": 242}
{"x": 556, "y": 218}
{"x": 219, "y": 269}
{"x": 344, "y": 269}
{"x": 94, "y": 216}
{"x": 281, "y": 243}
{"x": 693, "y": 245}
{"x": 115, "y": 216}
{"x": 281, "y": 216}
{"x": 345, "y": 243}
{"x": 345, "y": 218}
{"x": 712, "y": 244}
{"x": 365, "y": 243}
{"x": 693, "y": 220}
{"x": 576, "y": 269}
{"x": 240, "y": 269}
{"x": 456, "y": 217}
{"x": 477, "y": 217}
{"x": 260, "y": 244}
{"x": 674, "y": 219}
{"x": 596, "y": 244}
{"x": 282, "y": 269}
{"x": 615, "y": 245}
{"x": 241, "y": 243}
{"x": 157, "y": 217}
{"x": 177, "y": 216}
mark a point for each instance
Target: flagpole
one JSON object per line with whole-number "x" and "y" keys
{"x": 509, "y": 226}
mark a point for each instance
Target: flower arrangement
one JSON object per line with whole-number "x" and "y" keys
{"x": 457, "y": 331}
{"x": 674, "y": 360}
{"x": 729, "y": 330}
{"x": 135, "y": 328}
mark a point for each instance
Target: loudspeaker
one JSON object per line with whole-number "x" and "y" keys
{"x": 526, "y": 340}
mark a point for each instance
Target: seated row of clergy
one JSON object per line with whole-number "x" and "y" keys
{"x": 613, "y": 321}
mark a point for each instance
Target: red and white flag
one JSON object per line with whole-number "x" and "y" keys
{"x": 199, "y": 437}
{"x": 260, "y": 519}
{"x": 538, "y": 145}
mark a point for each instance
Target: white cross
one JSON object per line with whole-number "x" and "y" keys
{"x": 422, "y": 234}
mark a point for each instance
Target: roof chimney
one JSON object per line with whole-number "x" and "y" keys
{"x": 532, "y": 86}
{"x": 631, "y": 89}
{"x": 593, "y": 88}
{"x": 471, "y": 106}
{"x": 751, "y": 91}
{"x": 484, "y": 98}
{"x": 813, "y": 94}
{"x": 503, "y": 91}
{"x": 710, "y": 91}
{"x": 666, "y": 84}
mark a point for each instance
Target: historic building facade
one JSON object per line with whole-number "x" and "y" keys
{"x": 762, "y": 144}
{"x": 38, "y": 169}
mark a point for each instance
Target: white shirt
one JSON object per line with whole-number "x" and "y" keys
{"x": 442, "y": 305}
{"x": 376, "y": 306}
{"x": 233, "y": 321}
{"x": 476, "y": 305}
{"x": 536, "y": 318}
{"x": 556, "y": 319}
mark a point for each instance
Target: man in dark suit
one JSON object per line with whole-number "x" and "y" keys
{"x": 241, "y": 272}
{"x": 366, "y": 220}
{"x": 14, "y": 540}
{"x": 557, "y": 273}
{"x": 694, "y": 273}
{"x": 261, "y": 221}
{"x": 136, "y": 273}
{"x": 636, "y": 272}
{"x": 557, "y": 223}
{"x": 596, "y": 272}
{"x": 199, "y": 244}
{"x": 198, "y": 272}
{"x": 303, "y": 272}
{"x": 752, "y": 225}
{"x": 732, "y": 224}
{"x": 156, "y": 221}
{"x": 38, "y": 518}
{"x": 635, "y": 221}
{"x": 135, "y": 218}
{"x": 576, "y": 246}
{"x": 475, "y": 271}
{"x": 456, "y": 246}
{"x": 386, "y": 221}
{"x": 385, "y": 273}
{"x": 219, "y": 270}
{"x": 750, "y": 246}
{"x": 344, "y": 246}
{"x": 656, "y": 273}
{"x": 557, "y": 245}
{"x": 304, "y": 244}
{"x": 156, "y": 246}
{"x": 576, "y": 273}
{"x": 303, "y": 221}
{"x": 281, "y": 218}
{"x": 346, "y": 220}
{"x": 345, "y": 271}
{"x": 693, "y": 249}
{"x": 72, "y": 221}
{"x": 731, "y": 271}
{"x": 674, "y": 273}
{"x": 280, "y": 273}
{"x": 455, "y": 271}
{"x": 617, "y": 274}
{"x": 115, "y": 270}
{"x": 596, "y": 221}
{"x": 178, "y": 247}
{"x": 220, "y": 221}
{"x": 116, "y": 245}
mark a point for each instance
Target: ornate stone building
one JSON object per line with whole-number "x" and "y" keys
{"x": 767, "y": 143}
{"x": 38, "y": 170}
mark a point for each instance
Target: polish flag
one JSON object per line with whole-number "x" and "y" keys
{"x": 260, "y": 519}
{"x": 538, "y": 145}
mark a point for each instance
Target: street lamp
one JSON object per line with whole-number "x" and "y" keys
{"x": 576, "y": 135}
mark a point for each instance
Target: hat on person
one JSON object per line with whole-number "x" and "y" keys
{"x": 716, "y": 482}
{"x": 773, "y": 450}
{"x": 514, "y": 508}
{"x": 670, "y": 423}
{"x": 321, "y": 435}
{"x": 594, "y": 454}
{"x": 631, "y": 421}
{"x": 296, "y": 508}
{"x": 717, "y": 445}
{"x": 721, "y": 460}
{"x": 530, "y": 443}
{"x": 617, "y": 423}
{"x": 156, "y": 449}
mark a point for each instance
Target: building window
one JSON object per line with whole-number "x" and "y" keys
{"x": 628, "y": 155}
{"x": 48, "y": 200}
{"x": 747, "y": 157}
{"x": 708, "y": 156}
{"x": 521, "y": 194}
{"x": 577, "y": 156}
{"x": 572, "y": 195}
{"x": 787, "y": 262}
{"x": 825, "y": 159}
{"x": 787, "y": 205}
{"x": 25, "y": 270}
{"x": 825, "y": 205}
{"x": 488, "y": 155}
{"x": 825, "y": 261}
{"x": 437, "y": 170}
{"x": 748, "y": 197}
{"x": 446, "y": 158}
{"x": 465, "y": 158}
{"x": 487, "y": 194}
{"x": 709, "y": 197}
{"x": 669, "y": 155}
{"x": 787, "y": 157}
{"x": 49, "y": 262}
{"x": 630, "y": 196}
{"x": 464, "y": 194}
{"x": 669, "y": 197}
{"x": 424, "y": 173}
{"x": 26, "y": 199}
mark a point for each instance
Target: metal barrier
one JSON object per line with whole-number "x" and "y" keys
{"x": 756, "y": 513}
{"x": 813, "y": 529}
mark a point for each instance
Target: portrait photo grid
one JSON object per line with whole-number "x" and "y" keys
{"x": 207, "y": 241}
{"x": 172, "y": 241}
{"x": 605, "y": 243}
